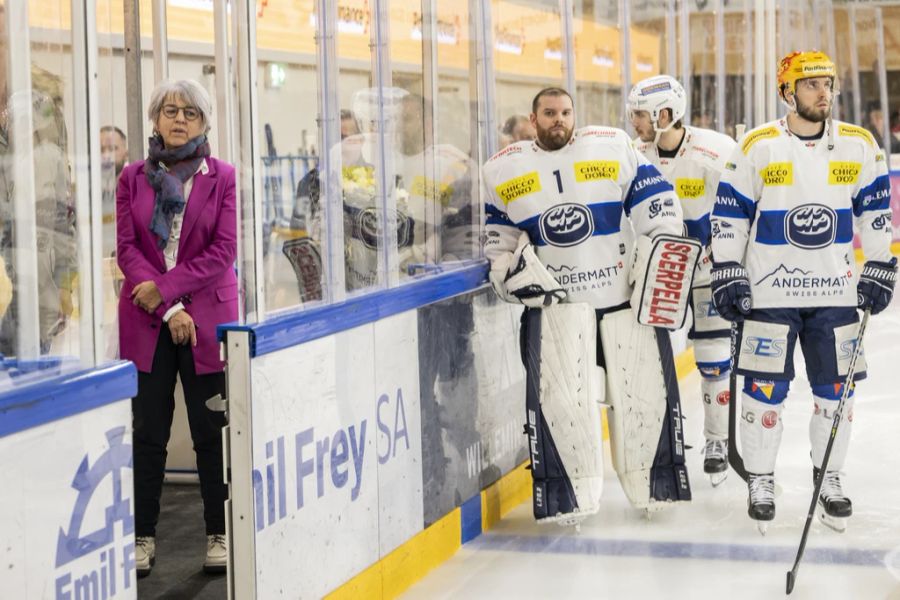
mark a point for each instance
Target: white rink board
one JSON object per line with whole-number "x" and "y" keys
{"x": 336, "y": 431}
{"x": 45, "y": 523}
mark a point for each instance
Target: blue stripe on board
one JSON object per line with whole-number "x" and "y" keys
{"x": 470, "y": 518}
{"x": 299, "y": 326}
{"x": 43, "y": 401}
{"x": 655, "y": 549}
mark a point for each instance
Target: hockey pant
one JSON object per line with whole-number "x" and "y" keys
{"x": 564, "y": 388}
{"x": 645, "y": 419}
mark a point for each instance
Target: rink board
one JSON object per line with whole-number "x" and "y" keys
{"x": 364, "y": 436}
{"x": 66, "y": 507}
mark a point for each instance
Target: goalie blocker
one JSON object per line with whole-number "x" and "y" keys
{"x": 663, "y": 272}
{"x": 566, "y": 383}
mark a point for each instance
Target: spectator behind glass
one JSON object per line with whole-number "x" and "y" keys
{"x": 875, "y": 124}
{"x": 518, "y": 128}
{"x": 57, "y": 258}
{"x": 114, "y": 155}
{"x": 176, "y": 245}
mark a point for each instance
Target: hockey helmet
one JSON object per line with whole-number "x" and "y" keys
{"x": 803, "y": 65}
{"x": 656, "y": 93}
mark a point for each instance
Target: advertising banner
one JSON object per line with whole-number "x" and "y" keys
{"x": 67, "y": 510}
{"x": 336, "y": 456}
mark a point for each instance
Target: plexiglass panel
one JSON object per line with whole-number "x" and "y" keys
{"x": 528, "y": 56}
{"x": 39, "y": 282}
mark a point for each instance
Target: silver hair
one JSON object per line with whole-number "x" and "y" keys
{"x": 187, "y": 90}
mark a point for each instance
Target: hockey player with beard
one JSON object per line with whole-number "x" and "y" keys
{"x": 564, "y": 213}
{"x": 783, "y": 225}
{"x": 693, "y": 160}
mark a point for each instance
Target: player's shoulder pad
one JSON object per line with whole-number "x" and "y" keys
{"x": 711, "y": 146}
{"x": 591, "y": 133}
{"x": 763, "y": 132}
{"x": 514, "y": 149}
{"x": 854, "y": 131}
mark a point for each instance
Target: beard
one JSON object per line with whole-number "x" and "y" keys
{"x": 812, "y": 113}
{"x": 554, "y": 139}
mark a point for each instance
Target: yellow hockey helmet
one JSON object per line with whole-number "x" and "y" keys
{"x": 803, "y": 65}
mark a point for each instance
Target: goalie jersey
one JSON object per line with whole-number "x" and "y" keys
{"x": 582, "y": 206}
{"x": 695, "y": 172}
{"x": 786, "y": 209}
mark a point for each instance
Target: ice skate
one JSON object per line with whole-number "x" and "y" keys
{"x": 715, "y": 463}
{"x": 761, "y": 503}
{"x": 834, "y": 508}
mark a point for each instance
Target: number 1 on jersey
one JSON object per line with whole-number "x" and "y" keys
{"x": 558, "y": 180}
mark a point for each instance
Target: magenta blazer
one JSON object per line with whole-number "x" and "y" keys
{"x": 203, "y": 277}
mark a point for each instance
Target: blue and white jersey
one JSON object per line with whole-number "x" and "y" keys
{"x": 786, "y": 209}
{"x": 582, "y": 206}
{"x": 694, "y": 172}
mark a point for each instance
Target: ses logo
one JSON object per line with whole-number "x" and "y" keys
{"x": 767, "y": 347}
{"x": 810, "y": 226}
{"x": 98, "y": 564}
{"x": 567, "y": 225}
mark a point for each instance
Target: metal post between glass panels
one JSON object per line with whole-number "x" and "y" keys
{"x": 567, "y": 19}
{"x": 484, "y": 48}
{"x": 224, "y": 85}
{"x": 720, "y": 65}
{"x": 249, "y": 231}
{"x": 856, "y": 117}
{"x": 430, "y": 114}
{"x": 24, "y": 211}
{"x": 88, "y": 211}
{"x": 625, "y": 45}
{"x": 671, "y": 51}
{"x": 685, "y": 26}
{"x": 334, "y": 274}
{"x": 133, "y": 90}
{"x": 882, "y": 81}
{"x": 160, "y": 42}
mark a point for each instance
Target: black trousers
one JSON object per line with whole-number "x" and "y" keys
{"x": 152, "y": 410}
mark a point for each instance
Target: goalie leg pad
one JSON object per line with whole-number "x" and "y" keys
{"x": 564, "y": 389}
{"x": 645, "y": 419}
{"x": 663, "y": 270}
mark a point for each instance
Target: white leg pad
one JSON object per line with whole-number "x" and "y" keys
{"x": 761, "y": 429}
{"x": 640, "y": 414}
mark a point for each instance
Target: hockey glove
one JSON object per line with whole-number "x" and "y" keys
{"x": 526, "y": 279}
{"x": 731, "y": 290}
{"x": 876, "y": 285}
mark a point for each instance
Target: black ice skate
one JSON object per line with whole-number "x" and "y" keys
{"x": 833, "y": 506}
{"x": 715, "y": 465}
{"x": 761, "y": 503}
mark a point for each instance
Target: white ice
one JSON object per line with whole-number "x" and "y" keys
{"x": 710, "y": 548}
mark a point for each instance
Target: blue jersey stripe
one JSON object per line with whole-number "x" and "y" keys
{"x": 495, "y": 216}
{"x": 699, "y": 228}
{"x": 647, "y": 182}
{"x": 732, "y": 204}
{"x": 607, "y": 221}
{"x": 874, "y": 197}
{"x": 771, "y": 228}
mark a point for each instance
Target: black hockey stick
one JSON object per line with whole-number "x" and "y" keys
{"x": 734, "y": 457}
{"x": 848, "y": 383}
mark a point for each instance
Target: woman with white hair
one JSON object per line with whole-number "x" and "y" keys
{"x": 176, "y": 245}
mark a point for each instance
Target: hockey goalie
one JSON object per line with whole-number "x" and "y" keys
{"x": 584, "y": 232}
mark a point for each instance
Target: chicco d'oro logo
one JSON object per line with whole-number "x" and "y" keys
{"x": 567, "y": 225}
{"x": 810, "y": 226}
{"x": 88, "y": 562}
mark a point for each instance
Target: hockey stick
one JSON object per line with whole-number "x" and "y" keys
{"x": 848, "y": 383}
{"x": 734, "y": 456}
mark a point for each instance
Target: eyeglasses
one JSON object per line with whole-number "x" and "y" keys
{"x": 171, "y": 111}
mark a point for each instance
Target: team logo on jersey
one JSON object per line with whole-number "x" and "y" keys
{"x": 517, "y": 187}
{"x": 593, "y": 170}
{"x": 567, "y": 225}
{"x": 843, "y": 173}
{"x": 690, "y": 188}
{"x": 780, "y": 173}
{"x": 368, "y": 228}
{"x": 882, "y": 222}
{"x": 810, "y": 226}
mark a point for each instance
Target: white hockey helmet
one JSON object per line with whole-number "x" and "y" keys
{"x": 656, "y": 93}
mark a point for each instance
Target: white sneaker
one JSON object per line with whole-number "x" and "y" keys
{"x": 144, "y": 554}
{"x": 216, "y": 553}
